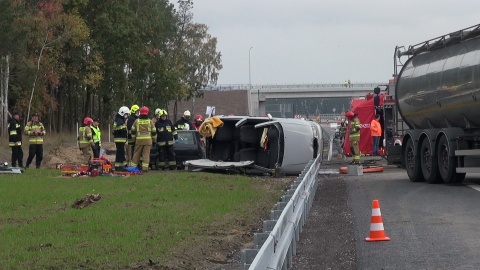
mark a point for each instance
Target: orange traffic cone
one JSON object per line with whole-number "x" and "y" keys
{"x": 377, "y": 233}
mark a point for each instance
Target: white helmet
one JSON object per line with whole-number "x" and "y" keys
{"x": 123, "y": 110}
{"x": 186, "y": 113}
{"x": 157, "y": 111}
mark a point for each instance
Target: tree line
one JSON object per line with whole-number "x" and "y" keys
{"x": 67, "y": 59}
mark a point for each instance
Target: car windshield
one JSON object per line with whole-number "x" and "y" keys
{"x": 186, "y": 138}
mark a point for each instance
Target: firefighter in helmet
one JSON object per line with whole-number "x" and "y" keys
{"x": 143, "y": 132}
{"x": 15, "y": 139}
{"x": 184, "y": 122}
{"x": 120, "y": 136}
{"x": 85, "y": 138}
{"x": 35, "y": 132}
{"x": 156, "y": 117}
{"x": 134, "y": 113}
{"x": 166, "y": 137}
{"x": 354, "y": 135}
{"x": 197, "y": 121}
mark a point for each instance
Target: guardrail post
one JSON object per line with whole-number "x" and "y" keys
{"x": 247, "y": 257}
{"x": 275, "y": 214}
{"x": 268, "y": 225}
{"x": 259, "y": 239}
{"x": 281, "y": 205}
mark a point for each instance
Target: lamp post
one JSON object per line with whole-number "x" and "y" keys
{"x": 249, "y": 73}
{"x": 250, "y": 81}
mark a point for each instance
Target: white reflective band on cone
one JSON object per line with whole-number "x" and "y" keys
{"x": 376, "y": 227}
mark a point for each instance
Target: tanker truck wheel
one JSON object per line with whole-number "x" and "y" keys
{"x": 447, "y": 164}
{"x": 428, "y": 163}
{"x": 412, "y": 163}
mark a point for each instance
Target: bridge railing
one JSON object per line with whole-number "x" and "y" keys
{"x": 228, "y": 87}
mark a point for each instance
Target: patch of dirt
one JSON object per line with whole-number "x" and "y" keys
{"x": 69, "y": 155}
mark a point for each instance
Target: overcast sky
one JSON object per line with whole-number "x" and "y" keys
{"x": 323, "y": 41}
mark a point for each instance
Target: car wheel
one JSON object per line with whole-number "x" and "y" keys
{"x": 156, "y": 163}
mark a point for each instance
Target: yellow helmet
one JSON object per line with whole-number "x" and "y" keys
{"x": 134, "y": 109}
{"x": 162, "y": 112}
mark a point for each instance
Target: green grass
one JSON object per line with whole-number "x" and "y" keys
{"x": 138, "y": 217}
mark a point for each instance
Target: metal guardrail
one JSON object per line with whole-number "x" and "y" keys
{"x": 276, "y": 246}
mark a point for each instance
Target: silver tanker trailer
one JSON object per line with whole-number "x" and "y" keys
{"x": 436, "y": 94}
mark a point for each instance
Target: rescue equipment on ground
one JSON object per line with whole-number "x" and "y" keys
{"x": 366, "y": 169}
{"x": 95, "y": 167}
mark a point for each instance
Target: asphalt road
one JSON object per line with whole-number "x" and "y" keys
{"x": 431, "y": 226}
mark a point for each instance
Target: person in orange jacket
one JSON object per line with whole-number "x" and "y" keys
{"x": 376, "y": 132}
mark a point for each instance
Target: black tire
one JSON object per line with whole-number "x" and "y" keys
{"x": 412, "y": 163}
{"x": 429, "y": 163}
{"x": 156, "y": 163}
{"x": 447, "y": 164}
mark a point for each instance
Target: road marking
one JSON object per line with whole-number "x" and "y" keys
{"x": 476, "y": 187}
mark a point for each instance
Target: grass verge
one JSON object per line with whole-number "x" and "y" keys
{"x": 153, "y": 217}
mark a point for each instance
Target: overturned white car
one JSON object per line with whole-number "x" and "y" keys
{"x": 259, "y": 145}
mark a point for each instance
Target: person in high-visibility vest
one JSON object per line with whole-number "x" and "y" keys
{"x": 144, "y": 133}
{"x": 35, "y": 132}
{"x": 85, "y": 140}
{"x": 354, "y": 135}
{"x": 376, "y": 132}
{"x": 15, "y": 139}
{"x": 97, "y": 138}
{"x": 120, "y": 135}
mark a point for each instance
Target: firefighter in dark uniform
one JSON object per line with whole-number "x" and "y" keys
{"x": 131, "y": 141}
{"x": 120, "y": 135}
{"x": 15, "y": 140}
{"x": 144, "y": 133}
{"x": 166, "y": 137}
{"x": 35, "y": 132}
{"x": 184, "y": 122}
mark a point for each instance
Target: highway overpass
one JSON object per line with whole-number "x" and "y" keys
{"x": 258, "y": 94}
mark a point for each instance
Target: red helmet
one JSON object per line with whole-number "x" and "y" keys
{"x": 144, "y": 110}
{"x": 198, "y": 117}
{"x": 349, "y": 114}
{"x": 88, "y": 121}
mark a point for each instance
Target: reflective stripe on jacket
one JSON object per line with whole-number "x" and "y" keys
{"x": 14, "y": 133}
{"x": 120, "y": 132}
{"x": 96, "y": 135}
{"x": 355, "y": 127}
{"x": 35, "y": 132}
{"x": 143, "y": 131}
{"x": 166, "y": 132}
{"x": 84, "y": 136}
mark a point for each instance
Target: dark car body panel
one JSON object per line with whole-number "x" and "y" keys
{"x": 189, "y": 147}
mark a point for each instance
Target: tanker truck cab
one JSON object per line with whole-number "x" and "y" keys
{"x": 436, "y": 93}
